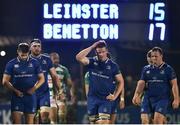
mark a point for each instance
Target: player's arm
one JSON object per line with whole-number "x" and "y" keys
{"x": 122, "y": 101}
{"x": 175, "y": 92}
{"x": 55, "y": 79}
{"x": 38, "y": 84}
{"x": 82, "y": 55}
{"x": 6, "y": 82}
{"x": 138, "y": 92}
{"x": 120, "y": 86}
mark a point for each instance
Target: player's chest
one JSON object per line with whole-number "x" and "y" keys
{"x": 24, "y": 68}
{"x": 44, "y": 65}
{"x": 156, "y": 74}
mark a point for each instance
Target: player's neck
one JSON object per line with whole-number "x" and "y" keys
{"x": 35, "y": 56}
{"x": 160, "y": 64}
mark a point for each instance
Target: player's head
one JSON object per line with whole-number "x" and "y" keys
{"x": 23, "y": 51}
{"x": 157, "y": 55}
{"x": 35, "y": 47}
{"x": 102, "y": 51}
{"x": 148, "y": 56}
{"x": 55, "y": 58}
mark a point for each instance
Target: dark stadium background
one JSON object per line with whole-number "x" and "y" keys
{"x": 20, "y": 20}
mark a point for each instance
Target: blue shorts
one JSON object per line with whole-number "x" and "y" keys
{"x": 96, "y": 105}
{"x": 114, "y": 106}
{"x": 26, "y": 104}
{"x": 151, "y": 105}
{"x": 43, "y": 100}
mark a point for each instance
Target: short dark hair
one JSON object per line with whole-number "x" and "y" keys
{"x": 149, "y": 53}
{"x": 23, "y": 47}
{"x": 101, "y": 45}
{"x": 157, "y": 49}
{"x": 36, "y": 40}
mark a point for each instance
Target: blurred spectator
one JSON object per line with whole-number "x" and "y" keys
{"x": 130, "y": 85}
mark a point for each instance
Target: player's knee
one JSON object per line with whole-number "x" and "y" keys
{"x": 158, "y": 118}
{"x": 144, "y": 121}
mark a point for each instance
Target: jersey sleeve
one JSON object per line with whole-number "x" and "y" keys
{"x": 38, "y": 68}
{"x": 143, "y": 74}
{"x": 49, "y": 63}
{"x": 116, "y": 70}
{"x": 9, "y": 69}
{"x": 91, "y": 62}
{"x": 171, "y": 73}
{"x": 66, "y": 73}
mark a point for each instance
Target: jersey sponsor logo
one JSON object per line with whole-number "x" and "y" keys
{"x": 147, "y": 72}
{"x": 44, "y": 62}
{"x": 16, "y": 66}
{"x": 100, "y": 75}
{"x": 108, "y": 67}
{"x": 30, "y": 65}
{"x": 95, "y": 63}
{"x": 162, "y": 72}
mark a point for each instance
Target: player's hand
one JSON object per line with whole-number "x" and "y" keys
{"x": 61, "y": 96}
{"x": 122, "y": 104}
{"x": 96, "y": 43}
{"x": 136, "y": 100}
{"x": 31, "y": 90}
{"x": 175, "y": 104}
{"x": 19, "y": 93}
{"x": 110, "y": 97}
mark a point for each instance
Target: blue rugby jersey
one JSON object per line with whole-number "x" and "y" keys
{"x": 46, "y": 65}
{"x": 24, "y": 74}
{"x": 158, "y": 80}
{"x": 102, "y": 77}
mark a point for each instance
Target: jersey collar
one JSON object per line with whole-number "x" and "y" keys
{"x": 37, "y": 57}
{"x": 19, "y": 60}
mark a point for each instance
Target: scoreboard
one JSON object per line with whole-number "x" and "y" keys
{"x": 116, "y": 20}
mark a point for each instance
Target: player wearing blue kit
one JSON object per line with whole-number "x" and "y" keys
{"x": 119, "y": 101}
{"x": 103, "y": 76}
{"x": 43, "y": 95}
{"x": 161, "y": 79}
{"x": 23, "y": 76}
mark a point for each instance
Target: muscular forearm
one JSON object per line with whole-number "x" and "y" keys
{"x": 175, "y": 91}
{"x": 84, "y": 53}
{"x": 122, "y": 95}
{"x": 139, "y": 89}
{"x": 9, "y": 86}
{"x": 119, "y": 89}
{"x": 56, "y": 82}
{"x": 39, "y": 83}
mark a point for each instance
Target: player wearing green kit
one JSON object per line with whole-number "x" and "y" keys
{"x": 59, "y": 102}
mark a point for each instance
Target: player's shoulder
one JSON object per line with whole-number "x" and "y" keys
{"x": 13, "y": 61}
{"x": 147, "y": 66}
{"x": 62, "y": 66}
{"x": 45, "y": 55}
{"x": 33, "y": 60}
{"x": 113, "y": 63}
{"x": 167, "y": 66}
